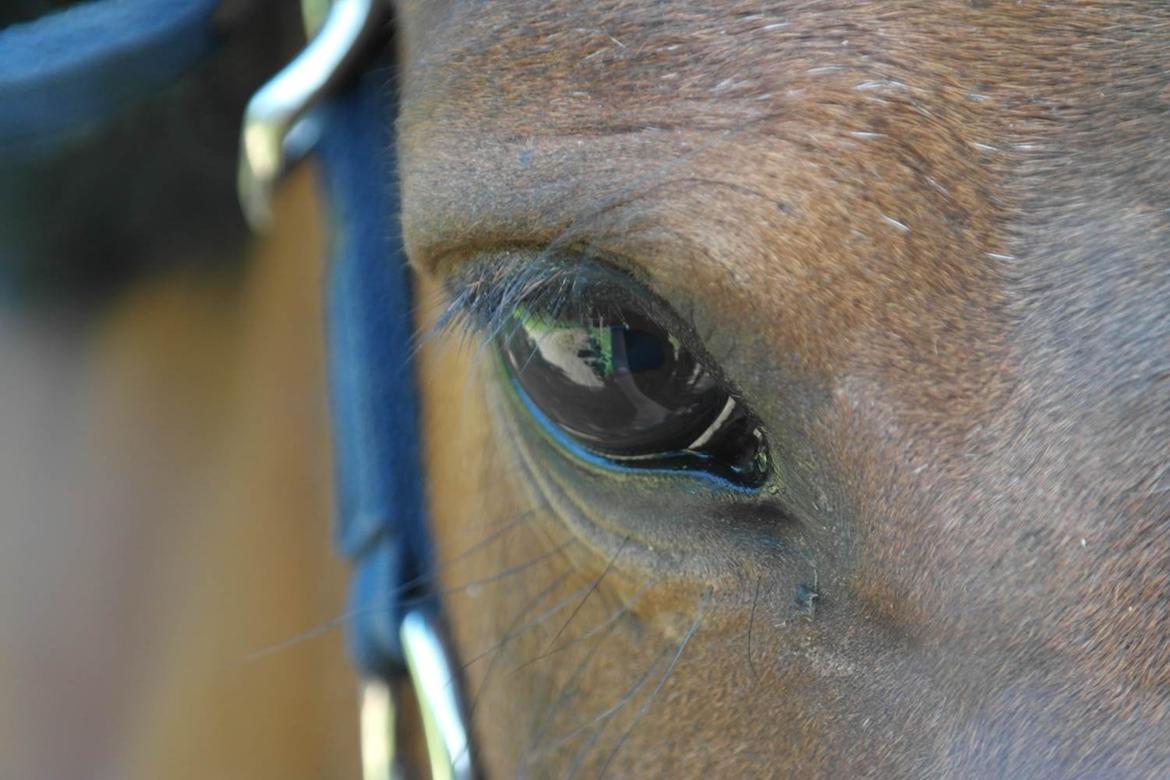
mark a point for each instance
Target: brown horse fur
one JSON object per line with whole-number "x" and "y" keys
{"x": 927, "y": 242}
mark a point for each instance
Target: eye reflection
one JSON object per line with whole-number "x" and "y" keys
{"x": 624, "y": 388}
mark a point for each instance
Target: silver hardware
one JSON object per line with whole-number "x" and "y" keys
{"x": 379, "y": 727}
{"x": 279, "y": 125}
{"x": 432, "y": 675}
{"x": 436, "y": 691}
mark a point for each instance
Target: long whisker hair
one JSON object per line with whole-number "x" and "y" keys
{"x": 605, "y": 628}
{"x": 494, "y": 537}
{"x": 596, "y": 724}
{"x": 682, "y": 646}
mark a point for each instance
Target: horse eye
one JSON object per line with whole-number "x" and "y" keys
{"x": 625, "y": 389}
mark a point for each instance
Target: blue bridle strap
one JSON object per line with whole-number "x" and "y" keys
{"x": 69, "y": 71}
{"x": 395, "y": 627}
{"x": 381, "y": 515}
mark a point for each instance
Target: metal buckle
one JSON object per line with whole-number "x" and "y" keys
{"x": 279, "y": 126}
{"x": 379, "y": 731}
{"x": 435, "y": 686}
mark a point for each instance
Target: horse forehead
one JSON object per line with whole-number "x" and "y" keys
{"x": 849, "y": 96}
{"x": 569, "y": 66}
{"x": 996, "y": 78}
{"x": 609, "y": 92}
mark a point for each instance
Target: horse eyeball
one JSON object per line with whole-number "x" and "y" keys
{"x": 624, "y": 388}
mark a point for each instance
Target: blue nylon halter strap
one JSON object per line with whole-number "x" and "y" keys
{"x": 395, "y": 631}
{"x": 381, "y": 521}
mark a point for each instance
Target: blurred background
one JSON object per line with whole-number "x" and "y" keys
{"x": 166, "y": 574}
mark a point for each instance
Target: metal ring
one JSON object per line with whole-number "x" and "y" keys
{"x": 278, "y": 124}
{"x": 379, "y": 732}
{"x": 436, "y": 688}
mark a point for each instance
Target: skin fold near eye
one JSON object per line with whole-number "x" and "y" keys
{"x": 623, "y": 387}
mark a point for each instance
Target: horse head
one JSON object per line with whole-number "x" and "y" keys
{"x": 797, "y": 385}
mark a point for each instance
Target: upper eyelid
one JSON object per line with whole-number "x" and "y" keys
{"x": 485, "y": 291}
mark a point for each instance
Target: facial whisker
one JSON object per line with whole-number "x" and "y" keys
{"x": 509, "y": 572}
{"x": 617, "y": 615}
{"x": 751, "y": 623}
{"x": 510, "y": 633}
{"x": 563, "y": 694}
{"x": 606, "y": 714}
{"x": 662, "y": 681}
{"x": 592, "y": 589}
{"x": 362, "y": 611}
{"x": 515, "y": 630}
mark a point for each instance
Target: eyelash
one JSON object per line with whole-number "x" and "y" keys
{"x": 485, "y": 294}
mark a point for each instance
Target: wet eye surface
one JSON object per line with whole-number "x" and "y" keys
{"x": 621, "y": 386}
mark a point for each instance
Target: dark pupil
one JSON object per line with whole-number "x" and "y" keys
{"x": 623, "y": 389}
{"x": 626, "y": 389}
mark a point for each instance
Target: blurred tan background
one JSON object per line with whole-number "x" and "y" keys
{"x": 164, "y": 516}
